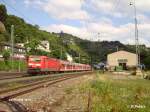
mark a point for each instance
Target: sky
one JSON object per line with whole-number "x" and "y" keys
{"x": 111, "y": 20}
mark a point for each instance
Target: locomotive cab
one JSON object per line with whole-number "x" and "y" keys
{"x": 34, "y": 64}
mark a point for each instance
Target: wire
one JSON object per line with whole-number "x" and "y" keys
{"x": 18, "y": 11}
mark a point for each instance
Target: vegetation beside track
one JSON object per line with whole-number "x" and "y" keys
{"x": 8, "y": 66}
{"x": 117, "y": 95}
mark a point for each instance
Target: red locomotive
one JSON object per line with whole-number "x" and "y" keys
{"x": 44, "y": 64}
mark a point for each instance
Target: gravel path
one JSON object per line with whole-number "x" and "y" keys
{"x": 46, "y": 98}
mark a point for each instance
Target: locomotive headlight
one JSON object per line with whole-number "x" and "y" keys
{"x": 34, "y": 64}
{"x": 37, "y": 64}
{"x": 30, "y": 64}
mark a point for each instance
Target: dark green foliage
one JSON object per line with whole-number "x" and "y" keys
{"x": 3, "y": 13}
{"x": 6, "y": 56}
{"x": 4, "y": 37}
{"x": 32, "y": 46}
{"x": 58, "y": 53}
{"x": 21, "y": 28}
{"x": 144, "y": 54}
{"x": 7, "y": 66}
{"x": 146, "y": 61}
{"x": 98, "y": 50}
{"x": 1, "y": 37}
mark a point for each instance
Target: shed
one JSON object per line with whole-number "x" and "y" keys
{"x": 121, "y": 58}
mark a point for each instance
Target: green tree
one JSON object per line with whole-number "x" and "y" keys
{"x": 20, "y": 28}
{"x": 57, "y": 53}
{"x": 1, "y": 37}
{"x": 32, "y": 47}
{"x": 146, "y": 61}
{"x": 4, "y": 37}
{"x": 3, "y": 13}
{"x": 6, "y": 56}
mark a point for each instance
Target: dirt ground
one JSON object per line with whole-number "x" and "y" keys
{"x": 60, "y": 97}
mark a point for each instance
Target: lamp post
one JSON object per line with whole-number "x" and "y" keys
{"x": 12, "y": 47}
{"x": 61, "y": 37}
{"x": 98, "y": 37}
{"x": 136, "y": 35}
{"x": 79, "y": 58}
{"x": 19, "y": 63}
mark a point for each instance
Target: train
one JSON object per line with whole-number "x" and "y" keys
{"x": 46, "y": 65}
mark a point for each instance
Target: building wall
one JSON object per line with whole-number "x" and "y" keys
{"x": 44, "y": 46}
{"x": 19, "y": 52}
{"x": 112, "y": 59}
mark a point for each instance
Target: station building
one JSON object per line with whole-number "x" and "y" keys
{"x": 121, "y": 58}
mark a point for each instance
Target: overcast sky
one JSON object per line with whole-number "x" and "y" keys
{"x": 111, "y": 19}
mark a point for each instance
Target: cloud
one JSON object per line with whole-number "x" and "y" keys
{"x": 62, "y": 9}
{"x": 143, "y": 6}
{"x": 113, "y": 19}
{"x": 123, "y": 33}
{"x": 81, "y": 32}
{"x": 118, "y": 8}
{"x": 34, "y": 2}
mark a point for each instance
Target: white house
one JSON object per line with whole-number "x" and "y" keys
{"x": 44, "y": 46}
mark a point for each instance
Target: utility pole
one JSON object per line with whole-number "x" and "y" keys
{"x": 19, "y": 64}
{"x": 79, "y": 57}
{"x": 19, "y": 60}
{"x": 12, "y": 47}
{"x": 61, "y": 49}
{"x": 136, "y": 35}
{"x": 98, "y": 37}
{"x": 61, "y": 53}
{"x": 117, "y": 48}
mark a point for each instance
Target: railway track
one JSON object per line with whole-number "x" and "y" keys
{"x": 10, "y": 75}
{"x": 6, "y": 95}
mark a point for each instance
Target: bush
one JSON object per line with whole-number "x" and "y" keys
{"x": 16, "y": 63}
{"x": 6, "y": 56}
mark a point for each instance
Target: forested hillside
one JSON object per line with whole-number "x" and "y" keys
{"x": 83, "y": 51}
{"x": 32, "y": 35}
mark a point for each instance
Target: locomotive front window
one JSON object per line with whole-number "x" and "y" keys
{"x": 35, "y": 59}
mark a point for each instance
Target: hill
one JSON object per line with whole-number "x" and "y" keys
{"x": 83, "y": 51}
{"x": 24, "y": 32}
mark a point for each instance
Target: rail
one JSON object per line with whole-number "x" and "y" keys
{"x": 12, "y": 93}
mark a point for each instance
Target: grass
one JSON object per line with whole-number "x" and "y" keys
{"x": 8, "y": 67}
{"x": 125, "y": 95}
